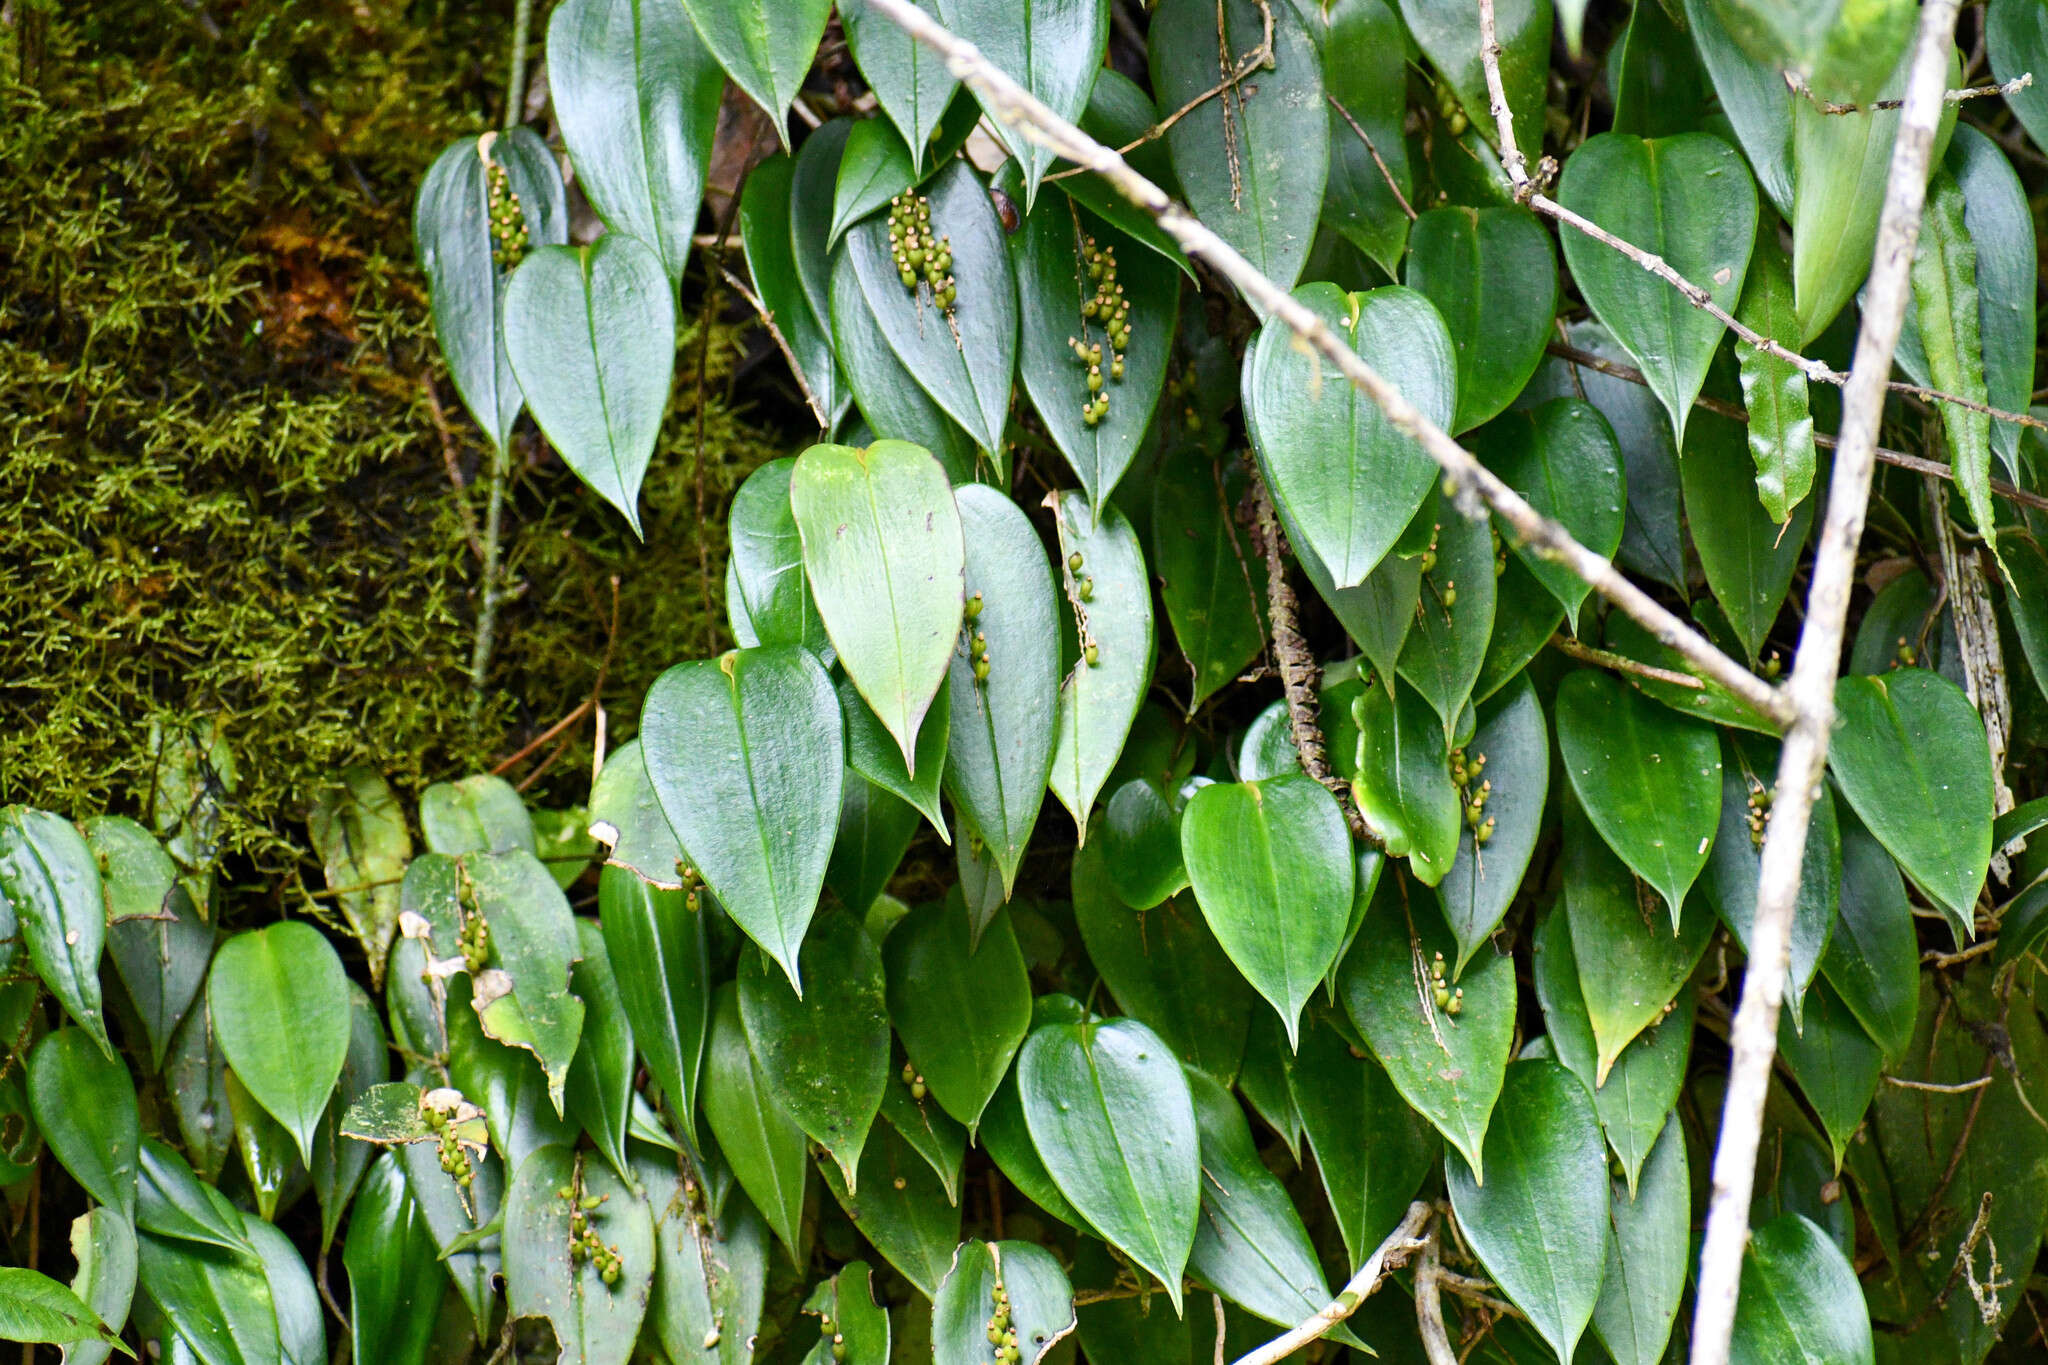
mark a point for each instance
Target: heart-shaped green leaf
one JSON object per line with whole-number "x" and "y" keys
{"x": 964, "y": 354}
{"x": 768, "y": 563}
{"x": 1109, "y": 1111}
{"x": 1873, "y": 957}
{"x": 389, "y": 1251}
{"x": 891, "y": 401}
{"x": 1365, "y": 77}
{"x": 901, "y": 1209}
{"x": 1773, "y": 389}
{"x": 1001, "y": 726}
{"x": 1632, "y": 961}
{"x": 1649, "y": 780}
{"x": 1801, "y": 1298}
{"x": 1730, "y": 880}
{"x": 1643, "y": 1084}
{"x": 884, "y": 557}
{"x": 480, "y": 814}
{"x": 766, "y": 46}
{"x": 1563, "y": 458}
{"x": 1403, "y": 787}
{"x": 84, "y": 1103}
{"x": 50, "y": 879}
{"x": 1066, "y": 264}
{"x": 1454, "y": 618}
{"x": 962, "y": 1009}
{"x": 637, "y": 94}
{"x": 910, "y": 81}
{"x": 1271, "y": 867}
{"x": 1015, "y": 1291}
{"x": 823, "y": 1055}
{"x": 359, "y": 834}
{"x": 1646, "y": 1255}
{"x": 1508, "y": 765}
{"x": 522, "y": 999}
{"x": 1688, "y": 199}
{"x": 746, "y": 754}
{"x": 466, "y": 274}
{"x": 1349, "y": 482}
{"x": 657, "y": 950}
{"x": 1545, "y": 1189}
{"x": 279, "y": 1002}
{"x": 1492, "y": 274}
{"x": 162, "y": 959}
{"x": 1110, "y": 598}
{"x": 590, "y": 332}
{"x": 1253, "y": 161}
{"x": 1449, "y": 35}
{"x": 1165, "y": 967}
{"x": 1910, "y": 754}
{"x": 1211, "y": 580}
{"x": 1141, "y": 834}
{"x": 1447, "y": 1066}
{"x": 595, "y": 1322}
{"x": 765, "y": 1145}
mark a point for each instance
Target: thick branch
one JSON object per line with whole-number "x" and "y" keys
{"x": 1470, "y": 483}
{"x": 1403, "y": 1241}
{"x": 1753, "y": 1038}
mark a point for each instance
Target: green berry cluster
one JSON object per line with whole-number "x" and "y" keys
{"x": 1452, "y": 112}
{"x": 692, "y": 880}
{"x": 474, "y": 942}
{"x": 454, "y": 1157}
{"x": 1759, "y": 816}
{"x": 1428, "y": 560}
{"x": 1107, "y": 307}
{"x": 1448, "y": 999}
{"x": 509, "y": 238}
{"x": 829, "y": 1330}
{"x": 1906, "y": 655}
{"x": 584, "y": 1243}
{"x": 1002, "y": 1332}
{"x": 914, "y": 1080}
{"x": 1473, "y": 792}
{"x": 917, "y": 253}
{"x": 1082, "y": 587}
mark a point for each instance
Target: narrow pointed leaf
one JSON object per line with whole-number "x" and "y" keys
{"x": 1050, "y": 47}
{"x": 1563, "y": 458}
{"x": 390, "y": 1253}
{"x": 1447, "y": 645}
{"x": 891, "y": 400}
{"x": 279, "y": 1002}
{"x": 1100, "y": 696}
{"x": 594, "y": 1322}
{"x": 1800, "y": 1298}
{"x": 161, "y": 961}
{"x": 1774, "y": 390}
{"x": 1449, "y": 36}
{"x": 765, "y": 236}
{"x": 1210, "y": 578}
{"x": 1873, "y": 957}
{"x": 1951, "y": 338}
{"x": 764, "y": 1144}
{"x": 910, "y": 81}
{"x": 657, "y": 950}
{"x": 35, "y": 1308}
{"x": 50, "y": 878}
{"x": 766, "y": 46}
{"x": 84, "y": 1103}
{"x": 709, "y": 1277}
{"x": 901, "y": 1208}
{"x": 1835, "y": 1062}
{"x": 768, "y": 563}
{"x": 1403, "y": 787}
{"x": 1647, "y": 1250}
{"x": 599, "y": 1091}
{"x": 1365, "y": 77}
{"x": 873, "y": 753}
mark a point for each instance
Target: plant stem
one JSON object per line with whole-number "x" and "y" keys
{"x": 515, "y": 81}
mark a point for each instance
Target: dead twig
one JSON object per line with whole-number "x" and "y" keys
{"x": 1621, "y": 663}
{"x": 767, "y": 317}
{"x": 1374, "y": 153}
{"x": 1404, "y": 1241}
{"x": 454, "y": 467}
{"x": 1797, "y": 84}
{"x": 1429, "y": 1308}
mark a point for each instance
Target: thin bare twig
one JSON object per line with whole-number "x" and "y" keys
{"x": 1429, "y": 1308}
{"x": 1960, "y": 1088}
{"x": 762, "y": 311}
{"x": 1753, "y": 1037}
{"x": 1374, "y": 153}
{"x": 448, "y": 460}
{"x": 1799, "y": 87}
{"x": 1511, "y": 158}
{"x": 1406, "y": 1239}
{"x": 1966, "y": 1251}
{"x": 1621, "y": 663}
{"x": 1471, "y": 485}
{"x": 505, "y": 764}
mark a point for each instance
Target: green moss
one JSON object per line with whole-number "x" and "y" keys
{"x": 222, "y": 490}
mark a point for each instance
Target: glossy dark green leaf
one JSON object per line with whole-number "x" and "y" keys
{"x": 599, "y": 1089}
{"x": 219, "y": 1302}
{"x": 765, "y": 236}
{"x": 901, "y": 1208}
{"x": 480, "y": 814}
{"x": 1448, "y": 1067}
{"x": 1944, "y": 277}
{"x": 1773, "y": 390}
{"x": 280, "y": 1004}
{"x": 709, "y": 1273}
{"x": 594, "y": 1321}
{"x": 162, "y": 961}
{"x": 1492, "y": 274}
{"x": 963, "y": 356}
{"x": 590, "y": 331}
{"x": 1271, "y": 867}
{"x": 171, "y": 1202}
{"x": 1525, "y": 616}
{"x": 961, "y": 1008}
{"x": 1910, "y": 754}
{"x": 1647, "y": 1250}
{"x": 2016, "y": 40}
{"x": 1366, "y": 79}
{"x": 1633, "y": 959}
{"x": 1649, "y": 781}
{"x": 928, "y": 1129}
{"x": 1120, "y": 113}
{"x": 1252, "y": 163}
{"x": 1037, "y": 1305}
{"x": 84, "y": 1102}
{"x": 268, "y": 1160}
{"x": 35, "y": 1308}
{"x": 637, "y": 95}
{"x": 50, "y": 878}
{"x": 359, "y": 834}
{"x": 910, "y": 81}
{"x": 451, "y": 228}
{"x": 1709, "y": 701}
{"x": 1057, "y": 282}
{"x": 1873, "y": 957}
{"x": 1511, "y": 751}
{"x": 764, "y": 1144}
{"x": 196, "y": 1075}
{"x": 390, "y": 1256}
{"x": 1403, "y": 787}
{"x": 1141, "y": 834}
{"x": 875, "y": 828}
{"x": 1001, "y": 727}
{"x": 1658, "y": 88}
{"x": 1545, "y": 1190}
{"x": 1643, "y": 1083}
{"x": 1563, "y": 458}
{"x": 1690, "y": 200}
{"x": 1454, "y": 619}
{"x": 1263, "y": 1080}
{"x": 1449, "y": 36}
{"x": 824, "y": 1056}
{"x": 1350, "y": 497}
{"x": 103, "y": 1244}
{"x": 1109, "y": 1112}
{"x": 874, "y": 754}
{"x": 746, "y": 753}
{"x": 766, "y": 46}
{"x": 1099, "y": 696}
{"x": 1165, "y": 967}
{"x": 523, "y": 998}
{"x": 1754, "y": 98}
{"x": 1050, "y": 47}
{"x": 2002, "y": 228}
{"x": 301, "y": 1321}
{"x": 453, "y": 1216}
{"x": 874, "y": 168}
{"x": 767, "y": 563}
{"x": 1210, "y": 577}
{"x": 852, "y": 1328}
{"x": 1835, "y": 1063}
{"x": 1800, "y": 1299}
{"x": 890, "y": 399}
{"x": 657, "y": 951}
{"x": 1730, "y": 879}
